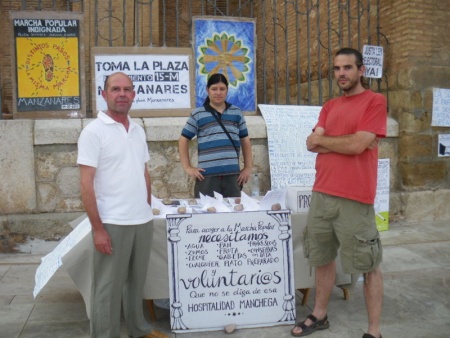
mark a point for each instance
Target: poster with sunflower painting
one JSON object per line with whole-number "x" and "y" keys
{"x": 226, "y": 45}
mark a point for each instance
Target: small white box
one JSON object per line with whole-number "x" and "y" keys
{"x": 298, "y": 199}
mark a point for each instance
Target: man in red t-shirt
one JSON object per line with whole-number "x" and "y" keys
{"x": 341, "y": 214}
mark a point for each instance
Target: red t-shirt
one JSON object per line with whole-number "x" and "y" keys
{"x": 351, "y": 176}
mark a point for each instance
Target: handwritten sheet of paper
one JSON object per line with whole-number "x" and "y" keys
{"x": 230, "y": 268}
{"x": 249, "y": 203}
{"x": 381, "y": 204}
{"x": 441, "y": 108}
{"x": 273, "y": 197}
{"x": 53, "y": 261}
{"x": 291, "y": 164}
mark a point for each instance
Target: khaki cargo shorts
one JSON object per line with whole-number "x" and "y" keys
{"x": 338, "y": 223}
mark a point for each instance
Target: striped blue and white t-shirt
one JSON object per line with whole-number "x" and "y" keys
{"x": 216, "y": 153}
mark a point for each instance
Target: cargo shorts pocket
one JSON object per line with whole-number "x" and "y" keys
{"x": 305, "y": 242}
{"x": 367, "y": 253}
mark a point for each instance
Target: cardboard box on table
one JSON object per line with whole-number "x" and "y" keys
{"x": 298, "y": 200}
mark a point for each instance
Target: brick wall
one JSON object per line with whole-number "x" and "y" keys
{"x": 419, "y": 59}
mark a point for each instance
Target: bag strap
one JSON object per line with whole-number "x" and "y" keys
{"x": 214, "y": 113}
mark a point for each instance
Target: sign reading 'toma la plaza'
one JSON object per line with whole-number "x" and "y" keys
{"x": 162, "y": 80}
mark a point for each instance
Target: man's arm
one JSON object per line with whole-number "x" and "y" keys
{"x": 102, "y": 241}
{"x": 245, "y": 173}
{"x": 318, "y": 149}
{"x": 352, "y": 144}
{"x": 148, "y": 183}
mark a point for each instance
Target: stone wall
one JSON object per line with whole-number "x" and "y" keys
{"x": 419, "y": 60}
{"x": 40, "y": 191}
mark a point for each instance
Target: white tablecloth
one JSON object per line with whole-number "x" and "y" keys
{"x": 78, "y": 263}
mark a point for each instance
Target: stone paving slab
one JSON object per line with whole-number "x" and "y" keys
{"x": 416, "y": 270}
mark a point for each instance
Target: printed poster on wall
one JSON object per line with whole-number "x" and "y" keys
{"x": 441, "y": 108}
{"x": 236, "y": 269}
{"x": 48, "y": 63}
{"x": 227, "y": 46}
{"x": 373, "y": 61}
{"x": 161, "y": 77}
{"x": 443, "y": 145}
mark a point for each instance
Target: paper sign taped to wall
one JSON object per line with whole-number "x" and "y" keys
{"x": 373, "y": 61}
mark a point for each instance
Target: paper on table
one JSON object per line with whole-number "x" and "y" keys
{"x": 273, "y": 197}
{"x": 249, "y": 203}
{"x": 218, "y": 196}
{"x": 78, "y": 263}
{"x": 53, "y": 261}
{"x": 208, "y": 201}
{"x": 163, "y": 209}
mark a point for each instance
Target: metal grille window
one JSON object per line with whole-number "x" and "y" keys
{"x": 296, "y": 39}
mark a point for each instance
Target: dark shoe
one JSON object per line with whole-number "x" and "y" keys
{"x": 316, "y": 325}
{"x": 155, "y": 334}
{"x": 368, "y": 335}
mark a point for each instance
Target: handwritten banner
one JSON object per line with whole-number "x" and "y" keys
{"x": 236, "y": 269}
{"x": 291, "y": 164}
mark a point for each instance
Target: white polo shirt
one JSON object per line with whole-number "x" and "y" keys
{"x": 119, "y": 158}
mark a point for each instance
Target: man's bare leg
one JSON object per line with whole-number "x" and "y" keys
{"x": 325, "y": 278}
{"x": 373, "y": 294}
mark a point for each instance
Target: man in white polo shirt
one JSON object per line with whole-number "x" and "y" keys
{"x": 116, "y": 194}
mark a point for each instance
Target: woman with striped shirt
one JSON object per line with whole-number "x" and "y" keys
{"x": 221, "y": 133}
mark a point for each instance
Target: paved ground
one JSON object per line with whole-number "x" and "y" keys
{"x": 416, "y": 271}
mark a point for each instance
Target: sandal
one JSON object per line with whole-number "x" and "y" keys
{"x": 316, "y": 325}
{"x": 368, "y": 335}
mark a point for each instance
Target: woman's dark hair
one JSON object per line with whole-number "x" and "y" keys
{"x": 359, "y": 61}
{"x": 214, "y": 79}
